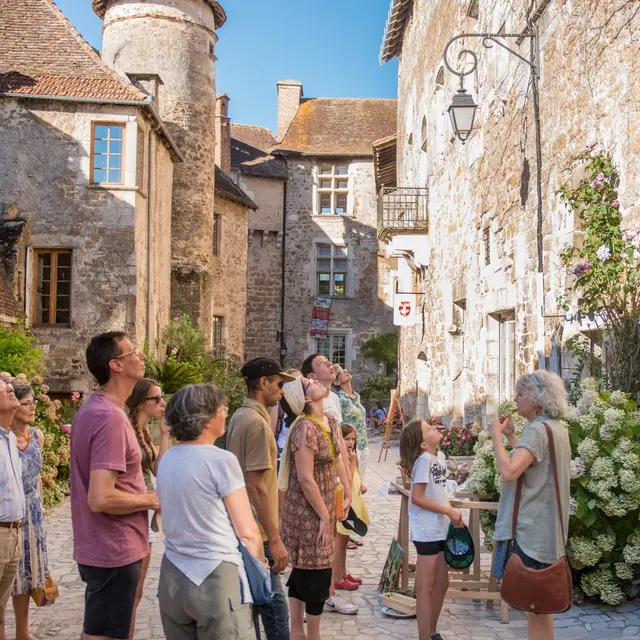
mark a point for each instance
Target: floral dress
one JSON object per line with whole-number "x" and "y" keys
{"x": 354, "y": 413}
{"x": 300, "y": 522}
{"x": 32, "y": 567}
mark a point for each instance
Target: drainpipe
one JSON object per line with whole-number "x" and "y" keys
{"x": 152, "y": 131}
{"x": 283, "y": 346}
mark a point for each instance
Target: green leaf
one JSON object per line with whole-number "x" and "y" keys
{"x": 592, "y": 503}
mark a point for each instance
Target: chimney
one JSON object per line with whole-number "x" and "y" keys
{"x": 289, "y": 95}
{"x": 148, "y": 83}
{"x": 223, "y": 133}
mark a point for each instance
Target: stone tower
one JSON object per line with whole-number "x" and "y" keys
{"x": 175, "y": 41}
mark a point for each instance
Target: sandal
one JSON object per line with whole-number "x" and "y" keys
{"x": 352, "y": 545}
{"x": 351, "y": 578}
{"x": 358, "y": 543}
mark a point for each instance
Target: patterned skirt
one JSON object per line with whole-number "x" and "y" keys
{"x": 503, "y": 551}
{"x": 32, "y": 567}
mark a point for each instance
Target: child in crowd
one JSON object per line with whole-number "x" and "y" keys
{"x": 346, "y": 580}
{"x": 429, "y": 516}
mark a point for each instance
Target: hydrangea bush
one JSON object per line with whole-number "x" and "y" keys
{"x": 604, "y": 541}
{"x": 55, "y": 454}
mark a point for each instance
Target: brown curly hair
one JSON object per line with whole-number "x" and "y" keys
{"x": 410, "y": 441}
{"x": 134, "y": 402}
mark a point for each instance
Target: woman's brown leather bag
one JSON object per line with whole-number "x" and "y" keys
{"x": 549, "y": 590}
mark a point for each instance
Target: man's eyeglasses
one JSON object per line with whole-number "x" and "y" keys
{"x": 158, "y": 399}
{"x": 135, "y": 351}
{"x": 30, "y": 403}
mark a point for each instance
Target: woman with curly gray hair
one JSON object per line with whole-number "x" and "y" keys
{"x": 541, "y": 399}
{"x": 203, "y": 588}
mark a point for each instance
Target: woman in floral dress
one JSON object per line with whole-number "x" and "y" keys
{"x": 33, "y": 569}
{"x": 308, "y": 515}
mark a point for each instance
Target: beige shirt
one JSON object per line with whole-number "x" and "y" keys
{"x": 251, "y": 439}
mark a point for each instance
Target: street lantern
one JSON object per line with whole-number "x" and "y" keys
{"x": 463, "y": 114}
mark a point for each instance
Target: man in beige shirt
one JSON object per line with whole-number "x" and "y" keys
{"x": 250, "y": 437}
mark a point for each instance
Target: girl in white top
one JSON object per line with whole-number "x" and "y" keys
{"x": 429, "y": 517}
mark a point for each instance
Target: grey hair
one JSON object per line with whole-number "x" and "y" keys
{"x": 191, "y": 408}
{"x": 547, "y": 390}
{"x": 21, "y": 391}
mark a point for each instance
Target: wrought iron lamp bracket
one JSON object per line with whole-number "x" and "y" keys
{"x": 487, "y": 42}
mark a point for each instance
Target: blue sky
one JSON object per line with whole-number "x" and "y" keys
{"x": 331, "y": 46}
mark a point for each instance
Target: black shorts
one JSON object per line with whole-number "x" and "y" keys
{"x": 429, "y": 548}
{"x": 312, "y": 587}
{"x": 109, "y": 598}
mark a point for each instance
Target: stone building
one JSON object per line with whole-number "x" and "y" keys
{"x": 488, "y": 309}
{"x": 170, "y": 44}
{"x": 263, "y": 177}
{"x": 85, "y": 191}
{"x": 330, "y": 216}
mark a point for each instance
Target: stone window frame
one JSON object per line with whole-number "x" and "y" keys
{"x": 122, "y": 154}
{"x": 218, "y": 342}
{"x": 329, "y": 172}
{"x": 473, "y": 11}
{"x": 216, "y": 248}
{"x": 502, "y": 333}
{"x": 332, "y": 256}
{"x": 53, "y": 282}
{"x": 327, "y": 347}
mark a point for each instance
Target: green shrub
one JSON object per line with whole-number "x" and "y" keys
{"x": 19, "y": 354}
{"x": 173, "y": 374}
{"x": 377, "y": 387}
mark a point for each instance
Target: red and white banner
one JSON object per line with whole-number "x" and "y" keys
{"x": 404, "y": 309}
{"x": 320, "y": 318}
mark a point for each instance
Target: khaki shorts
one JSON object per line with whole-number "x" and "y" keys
{"x": 9, "y": 558}
{"x": 215, "y": 606}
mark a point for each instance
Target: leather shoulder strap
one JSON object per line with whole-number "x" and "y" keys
{"x": 556, "y": 482}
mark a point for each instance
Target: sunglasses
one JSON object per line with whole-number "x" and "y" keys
{"x": 135, "y": 351}
{"x": 158, "y": 399}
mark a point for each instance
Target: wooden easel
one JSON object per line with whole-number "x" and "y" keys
{"x": 395, "y": 408}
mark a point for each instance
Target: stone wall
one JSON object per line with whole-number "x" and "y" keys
{"x": 486, "y": 188}
{"x": 229, "y": 274}
{"x": 44, "y": 180}
{"x": 264, "y": 271}
{"x": 176, "y": 41}
{"x": 365, "y": 310}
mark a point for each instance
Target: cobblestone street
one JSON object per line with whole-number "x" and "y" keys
{"x": 460, "y": 619}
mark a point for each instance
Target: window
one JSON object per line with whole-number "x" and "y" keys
{"x": 486, "y": 241}
{"x": 52, "y": 299}
{"x": 507, "y": 356}
{"x": 218, "y": 336}
{"x": 331, "y": 270}
{"x": 474, "y": 9}
{"x": 332, "y": 189}
{"x": 334, "y": 348}
{"x": 440, "y": 77}
{"x": 217, "y": 221}
{"x": 423, "y": 132}
{"x": 107, "y": 153}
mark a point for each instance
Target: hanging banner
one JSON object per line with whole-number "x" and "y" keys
{"x": 404, "y": 309}
{"x": 320, "y": 318}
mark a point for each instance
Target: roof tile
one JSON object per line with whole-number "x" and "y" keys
{"x": 250, "y": 148}
{"x": 41, "y": 53}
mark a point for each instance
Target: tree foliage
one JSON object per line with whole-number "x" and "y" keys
{"x": 19, "y": 353}
{"x": 382, "y": 348}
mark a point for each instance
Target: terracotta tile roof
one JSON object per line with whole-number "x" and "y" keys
{"x": 250, "y": 148}
{"x": 41, "y": 53}
{"x": 8, "y": 304}
{"x": 100, "y": 8}
{"x": 339, "y": 126}
{"x": 226, "y": 188}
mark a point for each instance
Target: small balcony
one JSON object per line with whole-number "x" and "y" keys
{"x": 402, "y": 210}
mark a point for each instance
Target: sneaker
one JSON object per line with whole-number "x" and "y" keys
{"x": 340, "y": 605}
{"x": 353, "y": 579}
{"x": 436, "y": 636}
{"x": 346, "y": 585}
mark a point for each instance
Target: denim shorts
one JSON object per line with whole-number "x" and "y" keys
{"x": 502, "y": 557}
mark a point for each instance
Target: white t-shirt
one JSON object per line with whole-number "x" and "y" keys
{"x": 428, "y": 526}
{"x": 332, "y": 406}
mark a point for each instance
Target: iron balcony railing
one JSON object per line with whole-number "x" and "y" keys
{"x": 402, "y": 210}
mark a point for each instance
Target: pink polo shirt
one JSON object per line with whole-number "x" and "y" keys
{"x": 102, "y": 438}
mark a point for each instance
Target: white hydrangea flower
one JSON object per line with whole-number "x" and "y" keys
{"x": 606, "y": 542}
{"x": 590, "y": 384}
{"x": 613, "y": 418}
{"x": 618, "y": 398}
{"x": 583, "y": 552}
{"x": 588, "y": 450}
{"x": 578, "y": 468}
{"x": 631, "y": 553}
{"x": 603, "y": 253}
{"x": 573, "y": 506}
{"x": 573, "y": 414}
{"x": 601, "y": 582}
{"x": 629, "y": 481}
{"x": 589, "y": 423}
{"x": 624, "y": 571}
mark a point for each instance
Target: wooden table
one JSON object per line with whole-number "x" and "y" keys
{"x": 468, "y": 584}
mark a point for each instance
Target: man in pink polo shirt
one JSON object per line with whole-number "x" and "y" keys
{"x": 109, "y": 500}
